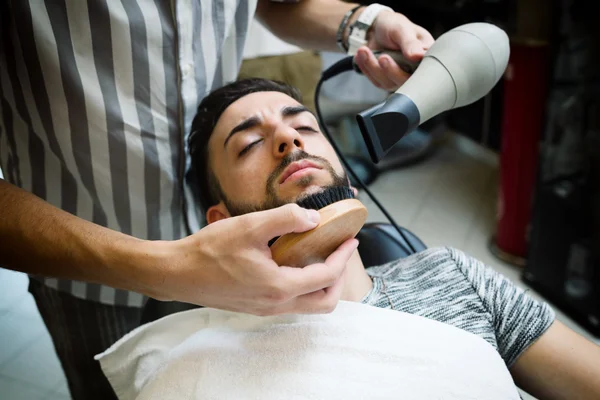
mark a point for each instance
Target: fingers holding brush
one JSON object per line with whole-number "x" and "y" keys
{"x": 317, "y": 288}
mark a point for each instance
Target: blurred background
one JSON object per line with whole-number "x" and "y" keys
{"x": 513, "y": 179}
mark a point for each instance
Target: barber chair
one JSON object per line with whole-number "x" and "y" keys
{"x": 379, "y": 243}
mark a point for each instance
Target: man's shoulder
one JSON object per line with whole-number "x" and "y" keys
{"x": 435, "y": 259}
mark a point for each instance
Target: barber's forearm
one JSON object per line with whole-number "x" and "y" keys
{"x": 310, "y": 24}
{"x": 38, "y": 238}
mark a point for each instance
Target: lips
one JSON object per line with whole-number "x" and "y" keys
{"x": 295, "y": 167}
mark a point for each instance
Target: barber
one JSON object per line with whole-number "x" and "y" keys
{"x": 97, "y": 100}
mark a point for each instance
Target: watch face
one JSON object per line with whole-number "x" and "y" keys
{"x": 361, "y": 25}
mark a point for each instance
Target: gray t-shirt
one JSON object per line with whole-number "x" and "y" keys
{"x": 446, "y": 285}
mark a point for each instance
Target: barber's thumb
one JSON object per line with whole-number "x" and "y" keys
{"x": 289, "y": 218}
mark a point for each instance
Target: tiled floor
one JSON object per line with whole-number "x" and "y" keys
{"x": 29, "y": 369}
{"x": 447, "y": 200}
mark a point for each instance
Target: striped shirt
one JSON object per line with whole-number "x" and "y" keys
{"x": 96, "y": 102}
{"x": 449, "y": 286}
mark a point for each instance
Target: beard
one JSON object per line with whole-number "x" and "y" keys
{"x": 272, "y": 200}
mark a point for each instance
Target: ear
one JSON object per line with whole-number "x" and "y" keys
{"x": 217, "y": 213}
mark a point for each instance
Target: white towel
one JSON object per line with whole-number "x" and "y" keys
{"x": 356, "y": 352}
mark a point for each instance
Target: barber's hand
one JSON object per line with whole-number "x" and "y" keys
{"x": 391, "y": 31}
{"x": 228, "y": 265}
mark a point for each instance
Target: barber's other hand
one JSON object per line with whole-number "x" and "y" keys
{"x": 228, "y": 265}
{"x": 391, "y": 31}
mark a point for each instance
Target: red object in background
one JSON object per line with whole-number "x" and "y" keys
{"x": 525, "y": 95}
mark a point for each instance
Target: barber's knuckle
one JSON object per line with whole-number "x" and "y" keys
{"x": 332, "y": 274}
{"x": 292, "y": 210}
{"x": 276, "y": 294}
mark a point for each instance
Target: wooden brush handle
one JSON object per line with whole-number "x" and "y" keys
{"x": 340, "y": 221}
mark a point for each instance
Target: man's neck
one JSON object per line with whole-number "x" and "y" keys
{"x": 357, "y": 282}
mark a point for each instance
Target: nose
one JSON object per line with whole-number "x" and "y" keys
{"x": 286, "y": 140}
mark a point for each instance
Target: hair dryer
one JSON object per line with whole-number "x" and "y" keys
{"x": 461, "y": 67}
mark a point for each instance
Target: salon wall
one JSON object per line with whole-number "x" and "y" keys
{"x": 262, "y": 43}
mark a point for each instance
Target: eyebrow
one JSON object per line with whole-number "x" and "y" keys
{"x": 294, "y": 110}
{"x": 251, "y": 122}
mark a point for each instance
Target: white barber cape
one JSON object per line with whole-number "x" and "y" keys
{"x": 356, "y": 352}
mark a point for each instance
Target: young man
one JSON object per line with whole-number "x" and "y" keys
{"x": 247, "y": 135}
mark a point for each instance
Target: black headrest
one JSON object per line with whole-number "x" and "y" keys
{"x": 380, "y": 243}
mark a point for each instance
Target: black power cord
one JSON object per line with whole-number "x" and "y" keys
{"x": 344, "y": 65}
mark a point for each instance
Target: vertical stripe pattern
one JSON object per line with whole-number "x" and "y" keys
{"x": 218, "y": 23}
{"x": 169, "y": 56}
{"x": 102, "y": 55}
{"x": 33, "y": 52}
{"x": 96, "y": 103}
{"x": 95, "y": 112}
{"x": 142, "y": 94}
{"x": 14, "y": 102}
{"x": 7, "y": 143}
{"x": 78, "y": 123}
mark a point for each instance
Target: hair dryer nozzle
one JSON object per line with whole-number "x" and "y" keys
{"x": 383, "y": 125}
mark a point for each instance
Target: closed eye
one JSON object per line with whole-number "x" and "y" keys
{"x": 306, "y": 128}
{"x": 247, "y": 148}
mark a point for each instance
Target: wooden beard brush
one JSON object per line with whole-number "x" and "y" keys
{"x": 342, "y": 217}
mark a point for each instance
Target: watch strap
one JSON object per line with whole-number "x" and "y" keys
{"x": 358, "y": 30}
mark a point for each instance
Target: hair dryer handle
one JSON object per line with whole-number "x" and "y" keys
{"x": 406, "y": 65}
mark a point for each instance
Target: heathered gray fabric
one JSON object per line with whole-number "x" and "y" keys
{"x": 447, "y": 285}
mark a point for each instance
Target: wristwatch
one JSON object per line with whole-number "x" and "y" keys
{"x": 342, "y": 28}
{"x": 358, "y": 30}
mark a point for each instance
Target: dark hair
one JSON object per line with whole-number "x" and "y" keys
{"x": 209, "y": 111}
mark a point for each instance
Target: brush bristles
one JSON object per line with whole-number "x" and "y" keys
{"x": 328, "y": 196}
{"x": 322, "y": 199}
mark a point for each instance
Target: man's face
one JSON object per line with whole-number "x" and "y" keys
{"x": 267, "y": 150}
